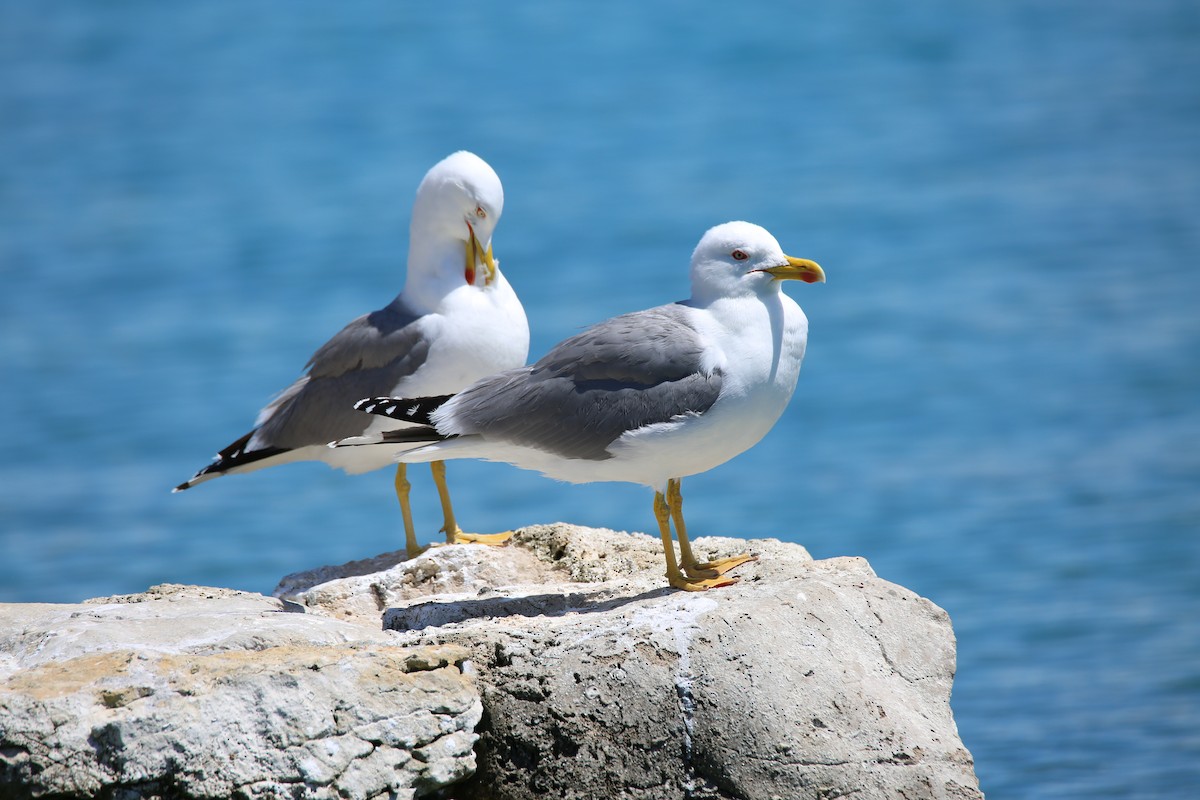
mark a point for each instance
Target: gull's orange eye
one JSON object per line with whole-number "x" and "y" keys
{"x": 739, "y": 255}
{"x": 479, "y": 212}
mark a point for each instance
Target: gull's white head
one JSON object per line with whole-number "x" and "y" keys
{"x": 459, "y": 202}
{"x": 740, "y": 258}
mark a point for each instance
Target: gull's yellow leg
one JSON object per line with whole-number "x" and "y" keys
{"x": 662, "y": 513}
{"x": 454, "y": 534}
{"x": 694, "y": 568}
{"x": 402, "y": 489}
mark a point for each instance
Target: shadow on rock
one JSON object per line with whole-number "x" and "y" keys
{"x": 437, "y": 613}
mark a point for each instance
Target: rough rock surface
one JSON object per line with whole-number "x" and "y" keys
{"x": 558, "y": 666}
{"x": 809, "y": 679}
{"x": 194, "y": 692}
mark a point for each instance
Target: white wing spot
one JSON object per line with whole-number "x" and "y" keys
{"x": 413, "y": 409}
{"x": 390, "y": 410}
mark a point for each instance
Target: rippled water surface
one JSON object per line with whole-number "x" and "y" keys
{"x": 1001, "y": 403}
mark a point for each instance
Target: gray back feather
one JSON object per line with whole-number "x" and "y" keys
{"x": 620, "y": 375}
{"x": 368, "y": 357}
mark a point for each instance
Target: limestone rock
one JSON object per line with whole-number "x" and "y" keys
{"x": 196, "y": 692}
{"x": 808, "y": 679}
{"x": 362, "y": 590}
{"x": 562, "y": 665}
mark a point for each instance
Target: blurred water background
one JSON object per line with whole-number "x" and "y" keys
{"x": 1000, "y": 407}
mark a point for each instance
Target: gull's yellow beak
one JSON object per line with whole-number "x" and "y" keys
{"x": 797, "y": 269}
{"x": 476, "y": 256}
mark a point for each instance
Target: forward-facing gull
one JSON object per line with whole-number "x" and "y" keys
{"x": 456, "y": 321}
{"x": 649, "y": 397}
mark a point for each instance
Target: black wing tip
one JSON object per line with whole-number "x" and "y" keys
{"x": 218, "y": 467}
{"x": 235, "y": 455}
{"x": 213, "y": 470}
{"x": 369, "y": 404}
{"x": 410, "y": 409}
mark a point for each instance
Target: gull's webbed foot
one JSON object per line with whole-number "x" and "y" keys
{"x": 690, "y": 584}
{"x": 716, "y": 567}
{"x": 458, "y": 536}
{"x": 492, "y": 539}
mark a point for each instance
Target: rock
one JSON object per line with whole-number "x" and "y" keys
{"x": 362, "y": 590}
{"x": 558, "y": 666}
{"x": 809, "y": 679}
{"x": 195, "y": 692}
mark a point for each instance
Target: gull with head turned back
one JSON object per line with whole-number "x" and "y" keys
{"x": 456, "y": 321}
{"x": 648, "y": 397}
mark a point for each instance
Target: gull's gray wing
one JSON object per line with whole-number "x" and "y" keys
{"x": 620, "y": 375}
{"x": 370, "y": 356}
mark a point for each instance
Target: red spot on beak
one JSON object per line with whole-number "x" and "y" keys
{"x": 469, "y": 272}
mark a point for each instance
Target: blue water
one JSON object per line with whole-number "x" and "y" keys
{"x": 1001, "y": 403}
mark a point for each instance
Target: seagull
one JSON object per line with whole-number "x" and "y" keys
{"x": 648, "y": 397}
{"x": 456, "y": 321}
